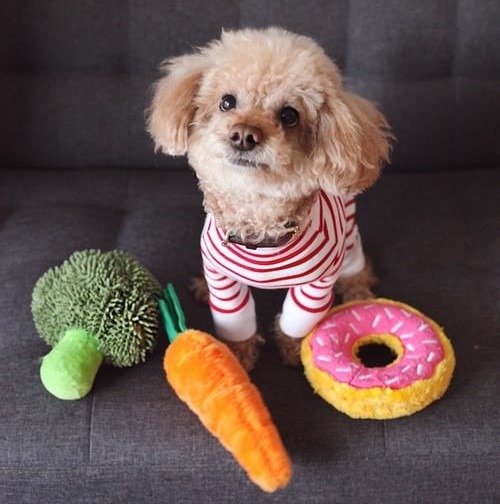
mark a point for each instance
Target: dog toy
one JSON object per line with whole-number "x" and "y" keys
{"x": 206, "y": 375}
{"x": 421, "y": 367}
{"x": 95, "y": 307}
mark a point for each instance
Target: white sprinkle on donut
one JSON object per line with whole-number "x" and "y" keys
{"x": 376, "y": 320}
{"x": 334, "y": 338}
{"x": 397, "y": 326}
{"x": 330, "y": 325}
{"x": 365, "y": 376}
{"x": 353, "y": 327}
{"x": 388, "y": 313}
{"x": 321, "y": 341}
{"x": 390, "y": 381}
{"x": 406, "y": 336}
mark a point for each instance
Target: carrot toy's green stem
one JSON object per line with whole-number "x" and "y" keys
{"x": 173, "y": 316}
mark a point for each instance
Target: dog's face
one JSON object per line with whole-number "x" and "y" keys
{"x": 256, "y": 113}
{"x": 263, "y": 116}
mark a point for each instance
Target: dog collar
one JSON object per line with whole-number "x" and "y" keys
{"x": 266, "y": 242}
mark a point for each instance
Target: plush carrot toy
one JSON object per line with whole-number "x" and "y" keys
{"x": 206, "y": 375}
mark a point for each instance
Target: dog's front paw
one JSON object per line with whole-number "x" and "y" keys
{"x": 289, "y": 348}
{"x": 248, "y": 351}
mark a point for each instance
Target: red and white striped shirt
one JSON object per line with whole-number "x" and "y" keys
{"x": 308, "y": 265}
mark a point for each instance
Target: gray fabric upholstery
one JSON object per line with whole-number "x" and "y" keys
{"x": 78, "y": 171}
{"x": 75, "y": 76}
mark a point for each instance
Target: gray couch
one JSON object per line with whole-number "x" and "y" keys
{"x": 77, "y": 171}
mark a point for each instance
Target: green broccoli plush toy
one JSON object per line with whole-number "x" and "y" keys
{"x": 96, "y": 307}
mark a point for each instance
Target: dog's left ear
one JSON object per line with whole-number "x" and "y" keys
{"x": 352, "y": 141}
{"x": 172, "y": 108}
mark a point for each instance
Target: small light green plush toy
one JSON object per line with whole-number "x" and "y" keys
{"x": 96, "y": 307}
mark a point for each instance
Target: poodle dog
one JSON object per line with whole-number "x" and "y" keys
{"x": 280, "y": 149}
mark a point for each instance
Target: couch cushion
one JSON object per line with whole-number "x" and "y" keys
{"x": 433, "y": 244}
{"x": 75, "y": 79}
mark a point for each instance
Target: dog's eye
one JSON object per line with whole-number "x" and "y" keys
{"x": 289, "y": 117}
{"x": 227, "y": 102}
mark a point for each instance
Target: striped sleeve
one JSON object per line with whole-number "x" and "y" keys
{"x": 232, "y": 306}
{"x": 305, "y": 305}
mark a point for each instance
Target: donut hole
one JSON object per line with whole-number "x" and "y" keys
{"x": 378, "y": 351}
{"x": 376, "y": 355}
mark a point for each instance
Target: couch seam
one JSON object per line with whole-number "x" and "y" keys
{"x": 384, "y": 430}
{"x": 126, "y": 211}
{"x": 91, "y": 426}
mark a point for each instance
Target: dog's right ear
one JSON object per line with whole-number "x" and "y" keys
{"x": 172, "y": 108}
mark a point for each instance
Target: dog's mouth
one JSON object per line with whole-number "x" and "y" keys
{"x": 245, "y": 162}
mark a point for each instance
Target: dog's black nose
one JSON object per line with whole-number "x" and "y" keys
{"x": 245, "y": 137}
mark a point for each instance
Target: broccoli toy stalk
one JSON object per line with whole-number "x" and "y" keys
{"x": 96, "y": 307}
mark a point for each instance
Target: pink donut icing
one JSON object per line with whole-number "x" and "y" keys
{"x": 333, "y": 340}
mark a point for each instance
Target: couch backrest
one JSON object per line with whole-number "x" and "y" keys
{"x": 75, "y": 74}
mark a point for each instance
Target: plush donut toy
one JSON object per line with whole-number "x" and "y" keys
{"x": 421, "y": 367}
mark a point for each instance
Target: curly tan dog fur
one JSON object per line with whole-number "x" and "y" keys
{"x": 267, "y": 124}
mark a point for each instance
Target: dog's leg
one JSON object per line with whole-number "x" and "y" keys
{"x": 232, "y": 321}
{"x": 358, "y": 285}
{"x": 289, "y": 348}
{"x": 304, "y": 306}
{"x": 247, "y": 351}
{"x": 199, "y": 289}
